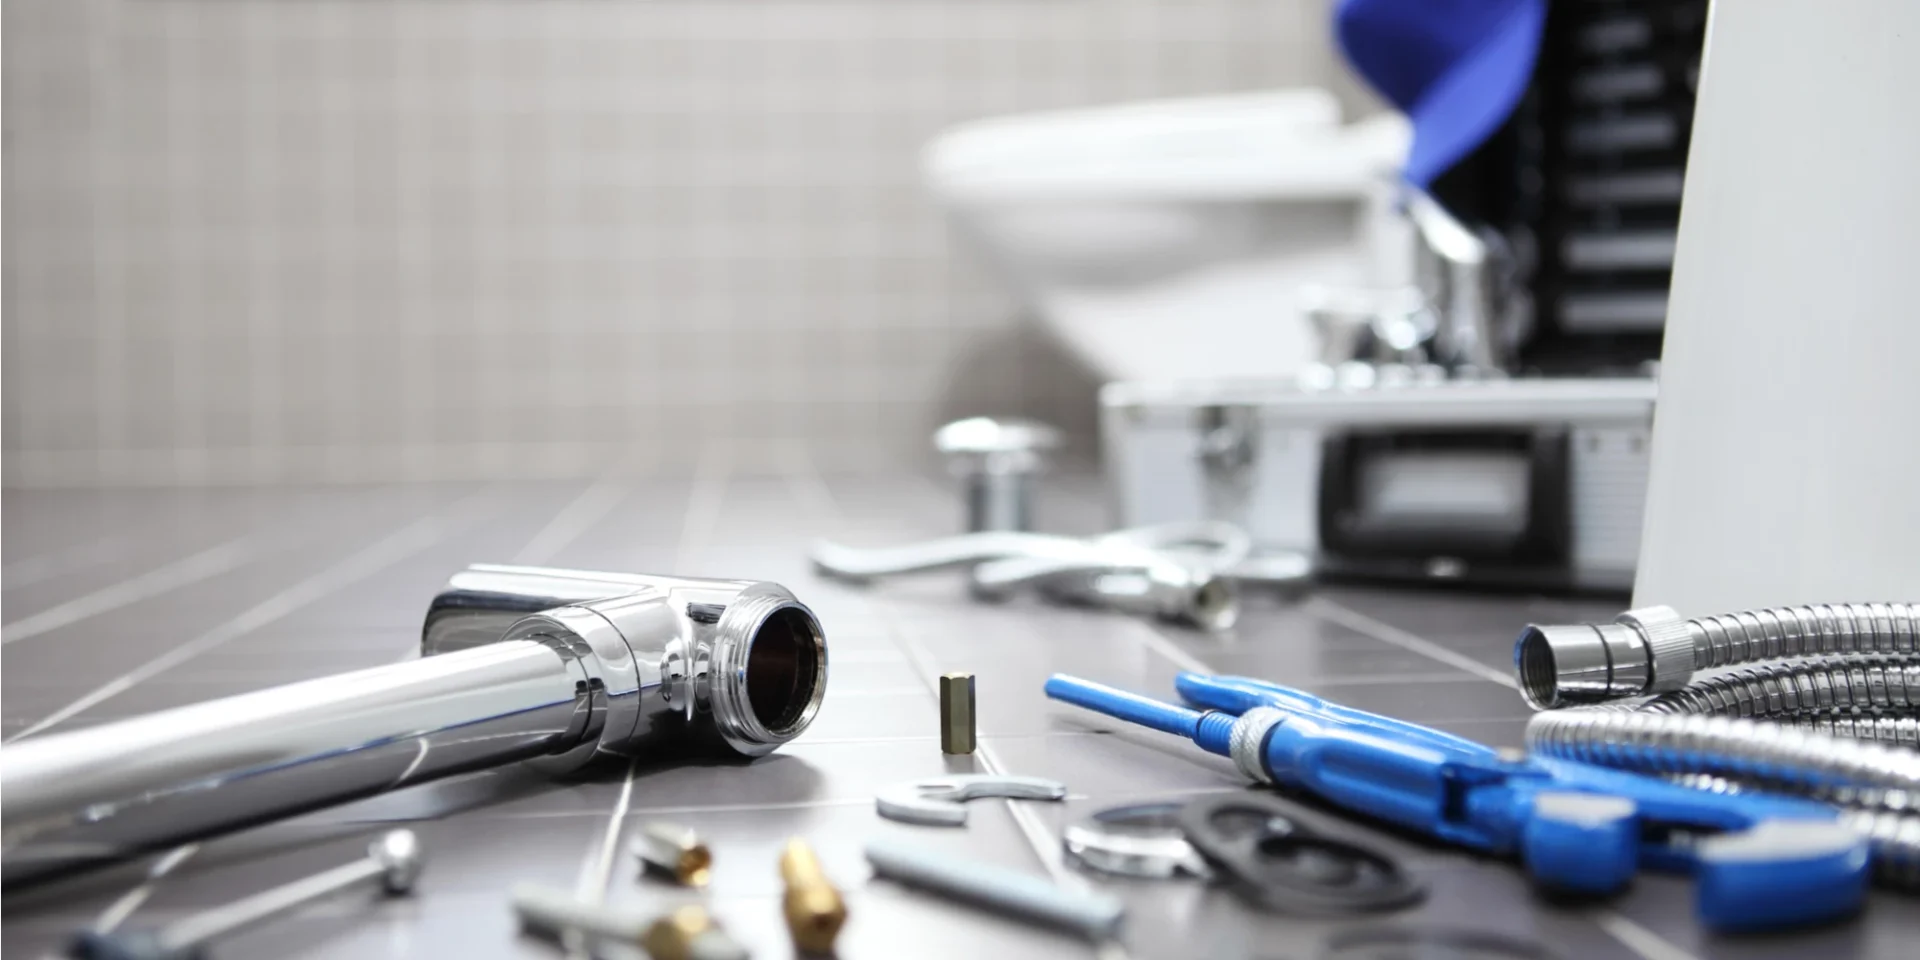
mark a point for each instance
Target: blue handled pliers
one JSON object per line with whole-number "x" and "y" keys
{"x": 1761, "y": 861}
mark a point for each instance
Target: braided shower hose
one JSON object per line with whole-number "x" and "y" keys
{"x": 1830, "y": 707}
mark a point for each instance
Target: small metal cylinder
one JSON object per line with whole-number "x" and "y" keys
{"x": 956, "y": 713}
{"x": 814, "y": 908}
{"x": 996, "y": 461}
{"x": 674, "y": 851}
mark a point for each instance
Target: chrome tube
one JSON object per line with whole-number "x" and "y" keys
{"x": 97, "y": 794}
{"x": 651, "y": 665}
{"x": 1114, "y": 571}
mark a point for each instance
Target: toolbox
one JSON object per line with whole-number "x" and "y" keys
{"x": 1537, "y": 483}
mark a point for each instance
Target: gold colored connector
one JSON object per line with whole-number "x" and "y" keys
{"x": 675, "y": 852}
{"x": 815, "y": 910}
{"x": 956, "y": 713}
{"x": 687, "y": 933}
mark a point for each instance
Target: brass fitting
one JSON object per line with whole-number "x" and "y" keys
{"x": 690, "y": 933}
{"x": 674, "y": 851}
{"x": 956, "y": 713}
{"x": 815, "y": 910}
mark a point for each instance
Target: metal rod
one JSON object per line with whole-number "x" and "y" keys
{"x": 119, "y": 788}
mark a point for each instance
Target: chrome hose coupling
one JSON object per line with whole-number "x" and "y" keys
{"x": 1653, "y": 650}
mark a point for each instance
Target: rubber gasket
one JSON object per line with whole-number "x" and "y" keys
{"x": 1273, "y": 862}
{"x": 1431, "y": 943}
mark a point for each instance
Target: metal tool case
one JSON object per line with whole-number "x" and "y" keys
{"x": 1527, "y": 482}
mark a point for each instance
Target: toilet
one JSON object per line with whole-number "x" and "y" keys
{"x": 1178, "y": 239}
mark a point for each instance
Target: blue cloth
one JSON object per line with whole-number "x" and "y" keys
{"x": 1456, "y": 68}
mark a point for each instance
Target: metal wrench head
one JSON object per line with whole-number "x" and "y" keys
{"x": 938, "y": 801}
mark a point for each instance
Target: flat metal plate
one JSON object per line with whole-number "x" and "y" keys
{"x": 305, "y": 582}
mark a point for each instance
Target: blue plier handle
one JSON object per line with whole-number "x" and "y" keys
{"x": 1761, "y": 860}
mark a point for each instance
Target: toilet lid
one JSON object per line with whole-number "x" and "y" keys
{"x": 1456, "y": 68}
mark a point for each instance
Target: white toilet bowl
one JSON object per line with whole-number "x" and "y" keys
{"x": 1172, "y": 239}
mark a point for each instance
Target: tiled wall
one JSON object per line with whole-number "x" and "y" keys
{"x": 292, "y": 240}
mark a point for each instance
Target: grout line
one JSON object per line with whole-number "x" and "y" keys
{"x": 597, "y": 870}
{"x": 392, "y": 549}
{"x": 702, "y": 512}
{"x": 185, "y": 571}
{"x": 1167, "y": 648}
{"x": 1633, "y": 936}
{"x": 1361, "y": 623}
{"x": 117, "y": 912}
{"x": 588, "y": 508}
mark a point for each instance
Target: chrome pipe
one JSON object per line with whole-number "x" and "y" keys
{"x": 648, "y": 666}
{"x": 1118, "y": 571}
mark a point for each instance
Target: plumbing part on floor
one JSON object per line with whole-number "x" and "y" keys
{"x": 813, "y": 906}
{"x": 1653, "y": 650}
{"x": 957, "y": 719}
{"x": 1577, "y": 827}
{"x": 392, "y": 864}
{"x": 735, "y": 666}
{"x": 1450, "y": 943}
{"x": 1134, "y": 840}
{"x": 673, "y": 852}
{"x": 941, "y": 801}
{"x": 687, "y": 933}
{"x": 1273, "y": 862}
{"x": 1117, "y": 572}
{"x": 1014, "y": 893}
{"x": 997, "y": 462}
{"x": 1816, "y": 700}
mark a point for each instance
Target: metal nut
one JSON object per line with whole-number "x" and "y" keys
{"x": 956, "y": 713}
{"x": 674, "y": 851}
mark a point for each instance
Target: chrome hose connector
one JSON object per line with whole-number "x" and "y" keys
{"x": 1651, "y": 650}
{"x": 1669, "y": 646}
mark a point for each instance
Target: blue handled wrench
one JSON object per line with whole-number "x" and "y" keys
{"x": 1761, "y": 861}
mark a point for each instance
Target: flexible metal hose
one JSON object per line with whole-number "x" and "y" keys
{"x": 1775, "y": 755}
{"x": 1866, "y": 698}
{"x": 1835, "y": 718}
{"x": 1803, "y": 631}
{"x": 1652, "y": 650}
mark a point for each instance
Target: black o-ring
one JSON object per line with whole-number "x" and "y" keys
{"x": 1440, "y": 943}
{"x": 1281, "y": 865}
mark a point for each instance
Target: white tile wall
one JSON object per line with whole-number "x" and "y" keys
{"x": 291, "y": 240}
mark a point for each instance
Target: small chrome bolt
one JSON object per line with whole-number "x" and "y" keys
{"x": 996, "y": 461}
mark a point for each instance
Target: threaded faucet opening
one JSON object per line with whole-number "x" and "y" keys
{"x": 1539, "y": 675}
{"x": 786, "y": 670}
